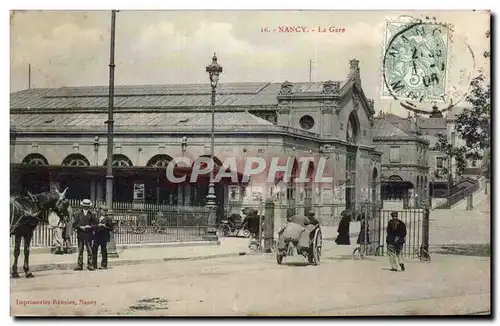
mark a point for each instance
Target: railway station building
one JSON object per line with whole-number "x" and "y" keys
{"x": 58, "y": 138}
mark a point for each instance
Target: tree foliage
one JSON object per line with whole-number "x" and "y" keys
{"x": 473, "y": 124}
{"x": 459, "y": 153}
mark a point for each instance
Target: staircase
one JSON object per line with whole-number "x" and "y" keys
{"x": 460, "y": 196}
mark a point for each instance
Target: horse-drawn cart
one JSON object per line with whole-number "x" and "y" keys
{"x": 312, "y": 252}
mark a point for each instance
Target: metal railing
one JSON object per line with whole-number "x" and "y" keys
{"x": 138, "y": 223}
{"x": 459, "y": 196}
{"x": 412, "y": 218}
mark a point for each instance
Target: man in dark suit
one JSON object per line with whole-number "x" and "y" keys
{"x": 84, "y": 223}
{"x": 396, "y": 233}
{"x": 102, "y": 237}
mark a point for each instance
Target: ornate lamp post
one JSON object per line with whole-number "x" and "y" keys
{"x": 109, "y": 168}
{"x": 214, "y": 70}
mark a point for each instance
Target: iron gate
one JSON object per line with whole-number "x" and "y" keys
{"x": 377, "y": 220}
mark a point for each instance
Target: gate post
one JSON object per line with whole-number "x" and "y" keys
{"x": 424, "y": 248}
{"x": 469, "y": 203}
{"x": 268, "y": 225}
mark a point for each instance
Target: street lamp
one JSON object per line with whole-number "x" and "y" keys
{"x": 109, "y": 168}
{"x": 214, "y": 70}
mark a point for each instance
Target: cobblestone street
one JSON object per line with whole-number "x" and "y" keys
{"x": 257, "y": 285}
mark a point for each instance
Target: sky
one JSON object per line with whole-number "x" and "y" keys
{"x": 72, "y": 48}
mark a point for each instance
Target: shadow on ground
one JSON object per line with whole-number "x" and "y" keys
{"x": 479, "y": 250}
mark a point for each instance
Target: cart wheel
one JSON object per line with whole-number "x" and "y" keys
{"x": 379, "y": 251}
{"x": 317, "y": 246}
{"x": 223, "y": 230}
{"x": 245, "y": 233}
{"x": 279, "y": 258}
{"x": 356, "y": 253}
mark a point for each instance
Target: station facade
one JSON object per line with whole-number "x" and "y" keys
{"x": 58, "y": 139}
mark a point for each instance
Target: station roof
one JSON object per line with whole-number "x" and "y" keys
{"x": 155, "y": 96}
{"x": 153, "y": 120}
{"x": 386, "y": 129}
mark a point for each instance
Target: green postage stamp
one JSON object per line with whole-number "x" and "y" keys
{"x": 415, "y": 61}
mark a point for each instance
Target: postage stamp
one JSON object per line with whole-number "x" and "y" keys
{"x": 415, "y": 61}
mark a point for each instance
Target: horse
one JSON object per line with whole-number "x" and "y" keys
{"x": 26, "y": 213}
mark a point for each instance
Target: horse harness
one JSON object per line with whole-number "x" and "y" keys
{"x": 24, "y": 212}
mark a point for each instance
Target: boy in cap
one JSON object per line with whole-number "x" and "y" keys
{"x": 84, "y": 223}
{"x": 102, "y": 237}
{"x": 396, "y": 233}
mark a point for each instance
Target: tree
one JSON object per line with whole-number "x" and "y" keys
{"x": 458, "y": 153}
{"x": 473, "y": 125}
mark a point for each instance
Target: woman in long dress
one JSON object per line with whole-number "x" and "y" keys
{"x": 343, "y": 229}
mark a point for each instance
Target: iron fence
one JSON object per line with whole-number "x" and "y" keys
{"x": 143, "y": 223}
{"x": 377, "y": 229}
{"x": 371, "y": 214}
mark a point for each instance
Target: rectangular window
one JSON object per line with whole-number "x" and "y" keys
{"x": 394, "y": 155}
{"x": 439, "y": 163}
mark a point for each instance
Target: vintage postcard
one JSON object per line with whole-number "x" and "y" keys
{"x": 250, "y": 163}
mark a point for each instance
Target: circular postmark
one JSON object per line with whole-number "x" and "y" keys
{"x": 420, "y": 62}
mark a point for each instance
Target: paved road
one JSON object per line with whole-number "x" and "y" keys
{"x": 257, "y": 285}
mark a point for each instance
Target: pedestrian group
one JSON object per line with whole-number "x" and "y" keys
{"x": 395, "y": 238}
{"x": 92, "y": 233}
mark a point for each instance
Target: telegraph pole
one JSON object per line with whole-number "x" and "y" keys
{"x": 109, "y": 168}
{"x": 29, "y": 75}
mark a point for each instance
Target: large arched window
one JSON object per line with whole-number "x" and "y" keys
{"x": 35, "y": 159}
{"x": 160, "y": 160}
{"x": 352, "y": 129}
{"x": 75, "y": 160}
{"x": 119, "y": 160}
{"x": 217, "y": 162}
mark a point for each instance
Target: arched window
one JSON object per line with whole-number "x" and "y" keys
{"x": 75, "y": 160}
{"x": 35, "y": 159}
{"x": 352, "y": 129}
{"x": 119, "y": 160}
{"x": 160, "y": 160}
{"x": 217, "y": 162}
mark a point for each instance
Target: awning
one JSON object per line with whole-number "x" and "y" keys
{"x": 397, "y": 184}
{"x": 135, "y": 172}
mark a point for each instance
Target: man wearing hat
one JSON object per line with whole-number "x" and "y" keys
{"x": 102, "y": 237}
{"x": 312, "y": 217}
{"x": 84, "y": 223}
{"x": 396, "y": 233}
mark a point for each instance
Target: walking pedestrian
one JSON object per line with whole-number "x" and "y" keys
{"x": 396, "y": 233}
{"x": 343, "y": 237}
{"x": 364, "y": 232}
{"x": 84, "y": 223}
{"x": 102, "y": 237}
